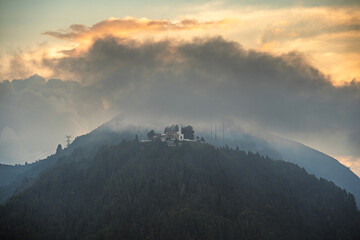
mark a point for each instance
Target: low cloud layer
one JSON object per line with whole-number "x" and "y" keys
{"x": 198, "y": 81}
{"x": 37, "y": 114}
{"x": 215, "y": 78}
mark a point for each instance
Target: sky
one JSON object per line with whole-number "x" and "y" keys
{"x": 290, "y": 68}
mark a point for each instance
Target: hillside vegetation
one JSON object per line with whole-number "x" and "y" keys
{"x": 151, "y": 191}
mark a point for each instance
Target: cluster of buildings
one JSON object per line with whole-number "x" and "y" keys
{"x": 171, "y": 136}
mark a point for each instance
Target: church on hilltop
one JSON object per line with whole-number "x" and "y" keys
{"x": 172, "y": 135}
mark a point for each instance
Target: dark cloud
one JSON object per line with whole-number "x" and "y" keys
{"x": 17, "y": 66}
{"x": 215, "y": 78}
{"x": 197, "y": 82}
{"x": 35, "y": 115}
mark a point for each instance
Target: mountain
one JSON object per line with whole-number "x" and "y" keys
{"x": 13, "y": 178}
{"x": 8, "y": 179}
{"x": 113, "y": 132}
{"x": 313, "y": 161}
{"x": 319, "y": 164}
{"x": 137, "y": 190}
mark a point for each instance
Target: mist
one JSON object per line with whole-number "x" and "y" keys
{"x": 155, "y": 83}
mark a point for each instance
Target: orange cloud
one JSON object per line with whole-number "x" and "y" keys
{"x": 328, "y": 36}
{"x": 130, "y": 28}
{"x": 22, "y": 64}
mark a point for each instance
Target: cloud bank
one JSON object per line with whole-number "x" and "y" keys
{"x": 220, "y": 71}
{"x": 216, "y": 78}
{"x": 328, "y": 35}
{"x": 36, "y": 114}
{"x": 198, "y": 81}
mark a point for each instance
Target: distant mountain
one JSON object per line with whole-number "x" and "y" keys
{"x": 319, "y": 164}
{"x": 148, "y": 190}
{"x": 313, "y": 161}
{"x": 8, "y": 179}
{"x": 15, "y": 178}
{"x": 113, "y": 132}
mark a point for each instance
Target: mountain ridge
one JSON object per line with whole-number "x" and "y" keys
{"x": 113, "y": 132}
{"x": 196, "y": 191}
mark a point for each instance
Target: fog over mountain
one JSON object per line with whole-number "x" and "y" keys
{"x": 196, "y": 82}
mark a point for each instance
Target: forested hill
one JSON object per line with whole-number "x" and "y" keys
{"x": 151, "y": 191}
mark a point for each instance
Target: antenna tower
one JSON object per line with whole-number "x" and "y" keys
{"x": 215, "y": 132}
{"x": 223, "y": 133}
{"x": 68, "y": 140}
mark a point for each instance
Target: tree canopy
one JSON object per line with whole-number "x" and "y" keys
{"x": 150, "y": 134}
{"x": 172, "y": 128}
{"x": 59, "y": 148}
{"x": 188, "y": 132}
{"x": 148, "y": 190}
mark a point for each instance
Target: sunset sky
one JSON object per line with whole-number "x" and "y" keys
{"x": 299, "y": 58}
{"x": 327, "y": 32}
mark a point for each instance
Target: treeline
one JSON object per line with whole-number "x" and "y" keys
{"x": 150, "y": 191}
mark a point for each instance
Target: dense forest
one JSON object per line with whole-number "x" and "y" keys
{"x": 148, "y": 190}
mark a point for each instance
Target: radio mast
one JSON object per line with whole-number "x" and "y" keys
{"x": 68, "y": 140}
{"x": 223, "y": 133}
{"x": 215, "y": 132}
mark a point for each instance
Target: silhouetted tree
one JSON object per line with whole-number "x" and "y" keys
{"x": 172, "y": 128}
{"x": 188, "y": 132}
{"x": 59, "y": 149}
{"x": 150, "y": 134}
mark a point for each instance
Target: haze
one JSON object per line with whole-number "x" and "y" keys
{"x": 260, "y": 67}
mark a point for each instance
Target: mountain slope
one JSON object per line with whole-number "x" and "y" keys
{"x": 15, "y": 178}
{"x": 150, "y": 191}
{"x": 113, "y": 132}
{"x": 313, "y": 161}
{"x": 319, "y": 164}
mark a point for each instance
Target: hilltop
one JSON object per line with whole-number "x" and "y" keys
{"x": 113, "y": 132}
{"x": 137, "y": 190}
